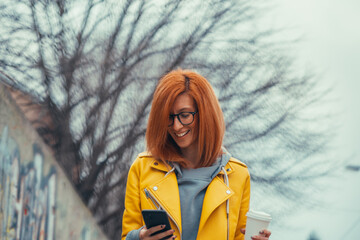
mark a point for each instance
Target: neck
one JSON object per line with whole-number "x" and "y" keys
{"x": 190, "y": 155}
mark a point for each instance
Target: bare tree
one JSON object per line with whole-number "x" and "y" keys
{"x": 95, "y": 64}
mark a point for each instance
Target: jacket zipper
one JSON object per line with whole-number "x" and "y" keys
{"x": 158, "y": 206}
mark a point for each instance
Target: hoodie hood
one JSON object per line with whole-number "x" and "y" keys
{"x": 210, "y": 171}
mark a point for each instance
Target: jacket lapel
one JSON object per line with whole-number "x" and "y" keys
{"x": 217, "y": 193}
{"x": 166, "y": 192}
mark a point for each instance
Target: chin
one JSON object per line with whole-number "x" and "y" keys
{"x": 183, "y": 145}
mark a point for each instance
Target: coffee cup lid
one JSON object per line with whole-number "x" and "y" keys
{"x": 258, "y": 215}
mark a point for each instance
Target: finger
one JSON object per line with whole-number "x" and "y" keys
{"x": 167, "y": 233}
{"x": 265, "y": 233}
{"x": 155, "y": 229}
{"x": 258, "y": 237}
{"x": 242, "y": 230}
{"x": 261, "y": 233}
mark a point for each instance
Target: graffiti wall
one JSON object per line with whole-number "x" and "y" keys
{"x": 36, "y": 199}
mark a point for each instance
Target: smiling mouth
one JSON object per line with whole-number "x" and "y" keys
{"x": 182, "y": 134}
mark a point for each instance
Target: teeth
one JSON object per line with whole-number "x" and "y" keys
{"x": 182, "y": 134}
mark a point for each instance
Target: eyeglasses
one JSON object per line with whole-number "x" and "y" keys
{"x": 185, "y": 118}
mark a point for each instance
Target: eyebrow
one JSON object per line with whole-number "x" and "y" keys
{"x": 185, "y": 109}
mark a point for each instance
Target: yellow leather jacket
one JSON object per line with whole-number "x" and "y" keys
{"x": 152, "y": 184}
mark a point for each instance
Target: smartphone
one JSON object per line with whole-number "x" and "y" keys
{"x": 154, "y": 218}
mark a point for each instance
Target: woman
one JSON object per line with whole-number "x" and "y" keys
{"x": 186, "y": 172}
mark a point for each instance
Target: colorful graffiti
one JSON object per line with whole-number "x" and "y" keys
{"x": 27, "y": 197}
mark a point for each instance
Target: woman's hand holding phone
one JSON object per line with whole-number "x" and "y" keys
{"x": 146, "y": 234}
{"x": 157, "y": 226}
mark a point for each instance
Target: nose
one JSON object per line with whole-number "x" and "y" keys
{"x": 177, "y": 124}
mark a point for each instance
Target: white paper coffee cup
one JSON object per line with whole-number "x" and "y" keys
{"x": 256, "y": 221}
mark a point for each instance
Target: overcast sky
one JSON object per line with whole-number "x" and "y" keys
{"x": 330, "y": 44}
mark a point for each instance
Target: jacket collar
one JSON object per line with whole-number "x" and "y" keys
{"x": 229, "y": 169}
{"x": 160, "y": 165}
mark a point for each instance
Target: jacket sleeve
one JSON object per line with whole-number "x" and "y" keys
{"x": 134, "y": 234}
{"x": 132, "y": 218}
{"x": 245, "y": 200}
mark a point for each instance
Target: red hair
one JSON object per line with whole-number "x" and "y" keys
{"x": 211, "y": 126}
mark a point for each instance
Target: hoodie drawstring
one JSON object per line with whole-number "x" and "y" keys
{"x": 173, "y": 169}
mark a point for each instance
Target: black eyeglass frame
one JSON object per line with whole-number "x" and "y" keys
{"x": 178, "y": 117}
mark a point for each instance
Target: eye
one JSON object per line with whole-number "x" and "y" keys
{"x": 184, "y": 115}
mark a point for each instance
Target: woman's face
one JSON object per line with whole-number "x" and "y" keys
{"x": 185, "y": 136}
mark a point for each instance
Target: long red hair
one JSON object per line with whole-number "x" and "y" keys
{"x": 211, "y": 126}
